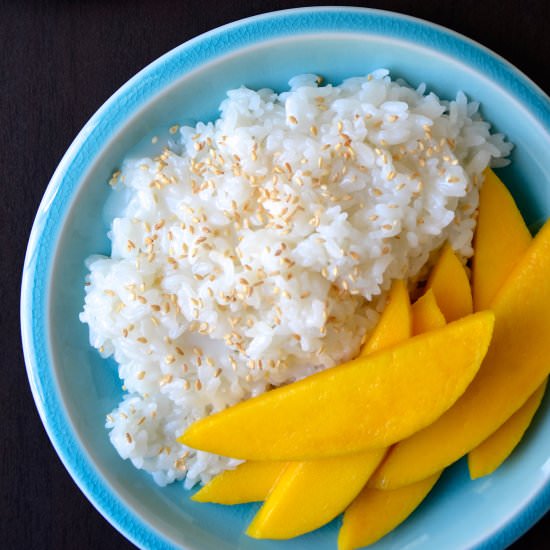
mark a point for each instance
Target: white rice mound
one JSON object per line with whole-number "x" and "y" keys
{"x": 259, "y": 248}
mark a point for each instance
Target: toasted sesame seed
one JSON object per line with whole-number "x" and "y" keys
{"x": 180, "y": 464}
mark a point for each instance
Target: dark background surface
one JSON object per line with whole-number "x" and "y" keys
{"x": 59, "y": 61}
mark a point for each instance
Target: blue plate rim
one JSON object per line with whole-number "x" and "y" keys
{"x": 109, "y": 119}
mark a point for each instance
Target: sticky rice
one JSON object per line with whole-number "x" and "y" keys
{"x": 258, "y": 249}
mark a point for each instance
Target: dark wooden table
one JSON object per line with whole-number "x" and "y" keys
{"x": 59, "y": 61}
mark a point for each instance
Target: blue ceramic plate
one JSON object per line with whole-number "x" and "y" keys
{"x": 74, "y": 388}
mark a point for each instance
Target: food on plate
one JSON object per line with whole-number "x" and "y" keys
{"x": 515, "y": 365}
{"x": 375, "y": 512}
{"x": 500, "y": 240}
{"x": 449, "y": 272}
{"x": 253, "y": 258}
{"x": 487, "y": 457}
{"x": 258, "y": 249}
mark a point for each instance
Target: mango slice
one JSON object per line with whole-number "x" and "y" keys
{"x": 248, "y": 482}
{"x": 367, "y": 403}
{"x": 374, "y": 513}
{"x": 488, "y": 456}
{"x": 395, "y": 322}
{"x": 500, "y": 240}
{"x": 426, "y": 314}
{"x": 450, "y": 285}
{"x": 310, "y": 494}
{"x": 515, "y": 365}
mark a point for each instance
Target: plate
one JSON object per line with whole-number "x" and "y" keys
{"x": 74, "y": 388}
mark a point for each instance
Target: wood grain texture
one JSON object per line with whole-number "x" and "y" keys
{"x": 59, "y": 61}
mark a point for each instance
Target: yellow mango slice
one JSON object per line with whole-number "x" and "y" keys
{"x": 426, "y": 314}
{"x": 370, "y": 402}
{"x": 310, "y": 494}
{"x": 449, "y": 282}
{"x": 395, "y": 322}
{"x": 500, "y": 240}
{"x": 488, "y": 456}
{"x": 515, "y": 365}
{"x": 248, "y": 482}
{"x": 374, "y": 513}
